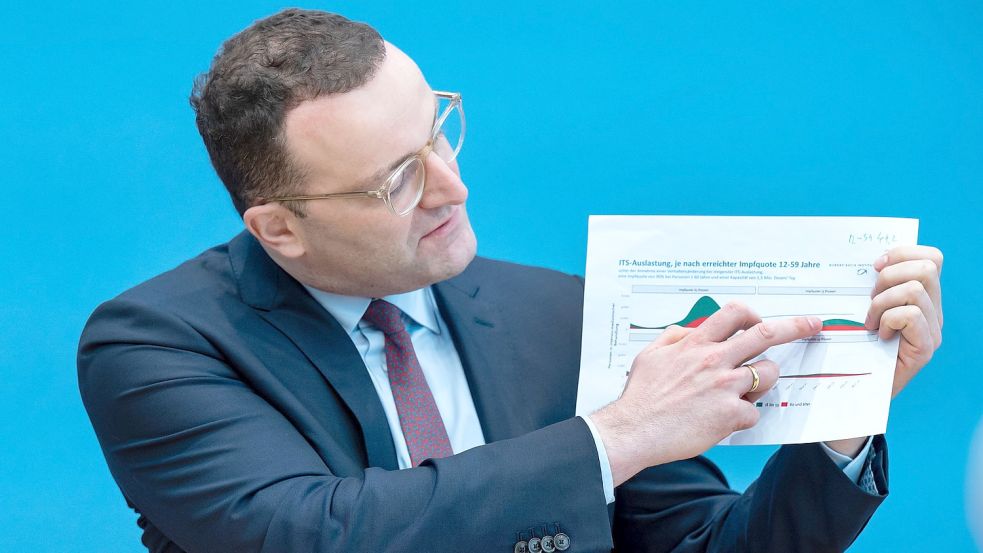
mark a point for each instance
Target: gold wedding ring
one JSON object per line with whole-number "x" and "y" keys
{"x": 754, "y": 375}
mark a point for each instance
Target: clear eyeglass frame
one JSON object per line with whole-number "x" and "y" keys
{"x": 412, "y": 166}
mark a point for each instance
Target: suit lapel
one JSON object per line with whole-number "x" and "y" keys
{"x": 487, "y": 353}
{"x": 477, "y": 328}
{"x": 283, "y": 302}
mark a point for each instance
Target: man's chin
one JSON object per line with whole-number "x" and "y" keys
{"x": 453, "y": 260}
{"x": 457, "y": 259}
{"x": 431, "y": 267}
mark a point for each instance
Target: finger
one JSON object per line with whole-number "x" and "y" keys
{"x": 767, "y": 378}
{"x": 909, "y": 253}
{"x": 912, "y": 356}
{"x": 746, "y": 416}
{"x": 725, "y": 322}
{"x": 922, "y": 270}
{"x": 908, "y": 293}
{"x": 671, "y": 335}
{"x": 764, "y": 335}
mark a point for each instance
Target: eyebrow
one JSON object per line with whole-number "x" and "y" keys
{"x": 385, "y": 171}
{"x": 373, "y": 180}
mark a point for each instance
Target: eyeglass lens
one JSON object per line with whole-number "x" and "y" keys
{"x": 406, "y": 186}
{"x": 451, "y": 134}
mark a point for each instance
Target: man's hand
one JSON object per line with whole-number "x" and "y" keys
{"x": 687, "y": 390}
{"x": 908, "y": 299}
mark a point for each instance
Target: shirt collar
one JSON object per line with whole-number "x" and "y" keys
{"x": 419, "y": 305}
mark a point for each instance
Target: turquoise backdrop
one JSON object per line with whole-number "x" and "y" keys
{"x": 778, "y": 108}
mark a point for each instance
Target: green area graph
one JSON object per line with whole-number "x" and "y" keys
{"x": 707, "y": 306}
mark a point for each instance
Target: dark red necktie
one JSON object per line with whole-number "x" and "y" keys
{"x": 422, "y": 426}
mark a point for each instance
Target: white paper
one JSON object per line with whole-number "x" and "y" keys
{"x": 647, "y": 272}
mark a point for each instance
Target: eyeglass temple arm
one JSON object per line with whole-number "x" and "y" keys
{"x": 370, "y": 193}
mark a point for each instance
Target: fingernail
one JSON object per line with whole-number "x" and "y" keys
{"x": 815, "y": 323}
{"x": 880, "y": 263}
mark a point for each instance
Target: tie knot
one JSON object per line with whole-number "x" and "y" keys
{"x": 385, "y": 316}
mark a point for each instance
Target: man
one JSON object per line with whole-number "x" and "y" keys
{"x": 346, "y": 375}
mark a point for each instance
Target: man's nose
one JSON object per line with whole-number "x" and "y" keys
{"x": 444, "y": 185}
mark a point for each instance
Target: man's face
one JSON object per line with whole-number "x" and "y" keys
{"x": 351, "y": 142}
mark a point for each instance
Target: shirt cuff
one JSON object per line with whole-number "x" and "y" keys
{"x": 607, "y": 480}
{"x": 850, "y": 467}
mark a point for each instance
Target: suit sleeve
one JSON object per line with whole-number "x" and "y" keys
{"x": 801, "y": 502}
{"x": 217, "y": 468}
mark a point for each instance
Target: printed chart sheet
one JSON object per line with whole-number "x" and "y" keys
{"x": 645, "y": 273}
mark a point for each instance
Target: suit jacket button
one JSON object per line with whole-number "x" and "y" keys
{"x": 561, "y": 541}
{"x": 520, "y": 547}
{"x": 535, "y": 545}
{"x": 547, "y": 544}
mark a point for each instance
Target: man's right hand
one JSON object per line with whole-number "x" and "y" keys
{"x": 687, "y": 390}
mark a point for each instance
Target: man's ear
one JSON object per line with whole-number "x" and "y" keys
{"x": 275, "y": 227}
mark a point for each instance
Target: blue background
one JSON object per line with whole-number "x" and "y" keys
{"x": 830, "y": 108}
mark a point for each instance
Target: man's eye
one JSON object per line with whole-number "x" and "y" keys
{"x": 398, "y": 183}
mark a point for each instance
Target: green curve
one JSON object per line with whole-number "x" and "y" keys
{"x": 703, "y": 308}
{"x": 842, "y": 322}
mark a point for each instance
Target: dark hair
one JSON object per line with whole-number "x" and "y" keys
{"x": 259, "y": 75}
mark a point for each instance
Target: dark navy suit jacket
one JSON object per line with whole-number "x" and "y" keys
{"x": 236, "y": 415}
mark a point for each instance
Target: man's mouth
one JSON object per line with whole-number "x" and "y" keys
{"x": 444, "y": 226}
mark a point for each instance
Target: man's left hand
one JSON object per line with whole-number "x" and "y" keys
{"x": 908, "y": 299}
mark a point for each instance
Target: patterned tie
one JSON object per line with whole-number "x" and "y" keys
{"x": 419, "y": 418}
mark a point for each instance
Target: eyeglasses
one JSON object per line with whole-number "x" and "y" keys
{"x": 403, "y": 188}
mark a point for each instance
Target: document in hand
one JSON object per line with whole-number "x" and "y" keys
{"x": 645, "y": 273}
